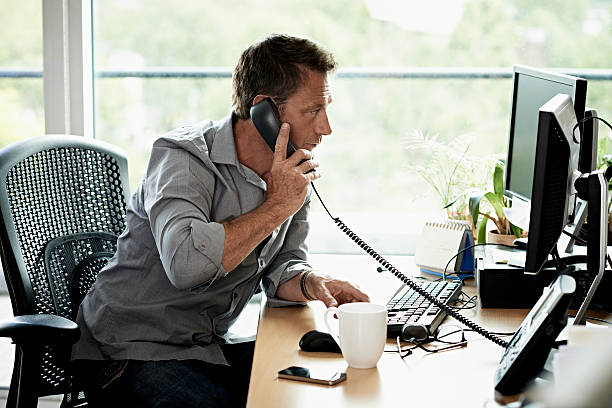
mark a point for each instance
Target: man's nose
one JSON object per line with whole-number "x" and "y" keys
{"x": 323, "y": 126}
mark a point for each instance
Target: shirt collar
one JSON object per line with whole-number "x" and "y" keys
{"x": 223, "y": 149}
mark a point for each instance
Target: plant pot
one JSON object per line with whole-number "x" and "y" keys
{"x": 493, "y": 237}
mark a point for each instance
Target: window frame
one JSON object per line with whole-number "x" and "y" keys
{"x": 68, "y": 68}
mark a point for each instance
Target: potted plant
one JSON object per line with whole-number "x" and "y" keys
{"x": 505, "y": 232}
{"x": 448, "y": 168}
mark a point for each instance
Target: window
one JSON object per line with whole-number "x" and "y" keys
{"x": 407, "y": 71}
{"x": 369, "y": 175}
{"x": 21, "y": 87}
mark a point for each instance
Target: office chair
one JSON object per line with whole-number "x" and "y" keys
{"x": 62, "y": 205}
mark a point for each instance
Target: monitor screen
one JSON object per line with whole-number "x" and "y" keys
{"x": 532, "y": 89}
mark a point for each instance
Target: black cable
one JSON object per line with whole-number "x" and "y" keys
{"x": 496, "y": 333}
{"x": 460, "y": 276}
{"x": 449, "y": 347}
{"x": 504, "y": 333}
{"x": 409, "y": 282}
{"x": 403, "y": 353}
{"x": 462, "y": 296}
{"x": 465, "y": 249}
{"x": 417, "y": 344}
{"x": 599, "y": 320}
{"x": 575, "y": 237}
{"x": 557, "y": 261}
{"x": 584, "y": 120}
{"x": 594, "y": 318}
{"x": 464, "y": 306}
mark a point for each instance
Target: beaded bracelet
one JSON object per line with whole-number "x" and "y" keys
{"x": 303, "y": 286}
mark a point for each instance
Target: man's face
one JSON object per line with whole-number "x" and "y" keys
{"x": 306, "y": 111}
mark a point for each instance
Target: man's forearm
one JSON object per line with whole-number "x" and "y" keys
{"x": 244, "y": 233}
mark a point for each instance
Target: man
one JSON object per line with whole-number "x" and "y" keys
{"x": 216, "y": 214}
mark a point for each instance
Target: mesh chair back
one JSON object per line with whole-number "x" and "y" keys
{"x": 63, "y": 203}
{"x": 72, "y": 263}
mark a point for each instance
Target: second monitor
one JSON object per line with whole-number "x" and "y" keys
{"x": 532, "y": 89}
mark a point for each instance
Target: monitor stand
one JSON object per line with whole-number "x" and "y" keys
{"x": 594, "y": 186}
{"x": 571, "y": 230}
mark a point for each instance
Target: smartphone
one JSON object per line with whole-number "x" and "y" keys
{"x": 319, "y": 376}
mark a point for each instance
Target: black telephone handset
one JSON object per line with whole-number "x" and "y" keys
{"x": 265, "y": 118}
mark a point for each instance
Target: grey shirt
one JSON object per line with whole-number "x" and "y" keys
{"x": 165, "y": 295}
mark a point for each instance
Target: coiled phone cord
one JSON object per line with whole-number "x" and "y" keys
{"x": 413, "y": 285}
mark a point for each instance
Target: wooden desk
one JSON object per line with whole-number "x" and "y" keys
{"x": 459, "y": 378}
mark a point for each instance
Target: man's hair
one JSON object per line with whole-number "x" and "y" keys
{"x": 275, "y": 66}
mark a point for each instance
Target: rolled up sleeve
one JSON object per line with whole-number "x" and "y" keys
{"x": 178, "y": 204}
{"x": 292, "y": 258}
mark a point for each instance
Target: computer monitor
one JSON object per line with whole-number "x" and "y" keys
{"x": 556, "y": 179}
{"x": 554, "y": 171}
{"x": 532, "y": 89}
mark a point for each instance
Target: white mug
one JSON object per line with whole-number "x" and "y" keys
{"x": 363, "y": 332}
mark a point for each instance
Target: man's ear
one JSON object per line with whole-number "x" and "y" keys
{"x": 259, "y": 98}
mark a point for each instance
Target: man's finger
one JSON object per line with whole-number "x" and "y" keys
{"x": 308, "y": 165}
{"x": 300, "y": 156}
{"x": 312, "y": 175}
{"x": 280, "y": 150}
{"x": 328, "y": 299}
{"x": 360, "y": 296}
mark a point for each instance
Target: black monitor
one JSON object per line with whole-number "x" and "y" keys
{"x": 532, "y": 89}
{"x": 554, "y": 173}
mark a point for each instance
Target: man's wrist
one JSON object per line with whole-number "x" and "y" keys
{"x": 277, "y": 208}
{"x": 303, "y": 287}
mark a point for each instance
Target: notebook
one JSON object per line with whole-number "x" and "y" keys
{"x": 439, "y": 242}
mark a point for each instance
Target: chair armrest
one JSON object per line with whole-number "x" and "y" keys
{"x": 40, "y": 328}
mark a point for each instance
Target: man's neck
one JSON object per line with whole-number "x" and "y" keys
{"x": 251, "y": 149}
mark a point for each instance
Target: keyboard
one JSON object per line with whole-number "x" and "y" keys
{"x": 408, "y": 306}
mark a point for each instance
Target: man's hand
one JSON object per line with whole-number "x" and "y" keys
{"x": 333, "y": 292}
{"x": 288, "y": 180}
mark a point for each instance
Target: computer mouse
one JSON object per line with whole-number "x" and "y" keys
{"x": 416, "y": 332}
{"x": 319, "y": 341}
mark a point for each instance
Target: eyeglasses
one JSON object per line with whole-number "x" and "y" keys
{"x": 450, "y": 334}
